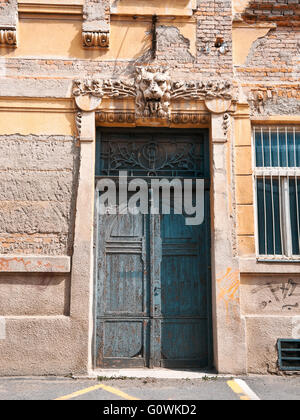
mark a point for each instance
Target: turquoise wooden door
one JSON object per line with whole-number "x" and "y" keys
{"x": 152, "y": 276}
{"x": 184, "y": 294}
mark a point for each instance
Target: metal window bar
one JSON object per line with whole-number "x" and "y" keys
{"x": 287, "y": 220}
{"x": 277, "y": 172}
{"x": 272, "y": 196}
{"x": 297, "y": 192}
{"x": 264, "y": 189}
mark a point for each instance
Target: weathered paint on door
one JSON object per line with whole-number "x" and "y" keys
{"x": 184, "y": 331}
{"x": 153, "y": 289}
{"x": 123, "y": 291}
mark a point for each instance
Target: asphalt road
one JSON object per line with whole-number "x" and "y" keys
{"x": 215, "y": 388}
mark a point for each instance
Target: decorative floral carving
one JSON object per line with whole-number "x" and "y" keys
{"x": 153, "y": 92}
{"x": 119, "y": 88}
{"x": 202, "y": 90}
{"x": 168, "y": 156}
{"x": 88, "y": 87}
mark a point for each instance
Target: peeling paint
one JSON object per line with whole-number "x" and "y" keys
{"x": 30, "y": 264}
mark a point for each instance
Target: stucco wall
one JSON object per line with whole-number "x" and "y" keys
{"x": 37, "y": 194}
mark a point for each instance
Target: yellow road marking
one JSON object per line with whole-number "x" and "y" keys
{"x": 243, "y": 397}
{"x": 238, "y": 390}
{"x": 94, "y": 388}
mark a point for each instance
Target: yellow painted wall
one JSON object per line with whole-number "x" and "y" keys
{"x": 244, "y": 187}
{"x": 67, "y": 2}
{"x": 243, "y": 39}
{"x": 166, "y": 7}
{"x": 240, "y": 5}
{"x": 40, "y": 117}
{"x": 129, "y": 39}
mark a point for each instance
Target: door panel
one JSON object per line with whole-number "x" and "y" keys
{"x": 153, "y": 290}
{"x": 123, "y": 291}
{"x": 126, "y": 294}
{"x": 183, "y": 294}
{"x": 183, "y": 343}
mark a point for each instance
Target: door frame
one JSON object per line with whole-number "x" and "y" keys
{"x": 207, "y": 172}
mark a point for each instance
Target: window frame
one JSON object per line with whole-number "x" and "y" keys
{"x": 283, "y": 174}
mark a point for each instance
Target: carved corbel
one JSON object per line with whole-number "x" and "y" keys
{"x": 95, "y": 39}
{"x": 96, "y": 25}
{"x": 88, "y": 94}
{"x": 8, "y": 23}
{"x": 220, "y": 118}
{"x": 8, "y": 37}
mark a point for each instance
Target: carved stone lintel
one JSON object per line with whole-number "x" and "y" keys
{"x": 95, "y": 39}
{"x": 119, "y": 117}
{"x": 8, "y": 37}
{"x": 154, "y": 91}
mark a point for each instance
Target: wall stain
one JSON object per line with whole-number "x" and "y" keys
{"x": 6, "y": 262}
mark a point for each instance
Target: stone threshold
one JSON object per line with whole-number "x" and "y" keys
{"x": 157, "y": 373}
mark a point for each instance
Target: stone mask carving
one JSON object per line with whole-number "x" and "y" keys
{"x": 153, "y": 88}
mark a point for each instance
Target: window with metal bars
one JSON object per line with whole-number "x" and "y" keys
{"x": 277, "y": 183}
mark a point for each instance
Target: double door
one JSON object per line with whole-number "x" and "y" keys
{"x": 153, "y": 294}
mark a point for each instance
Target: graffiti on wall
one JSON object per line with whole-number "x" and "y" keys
{"x": 286, "y": 294}
{"x": 228, "y": 288}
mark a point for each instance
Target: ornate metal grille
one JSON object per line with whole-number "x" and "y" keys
{"x": 151, "y": 155}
